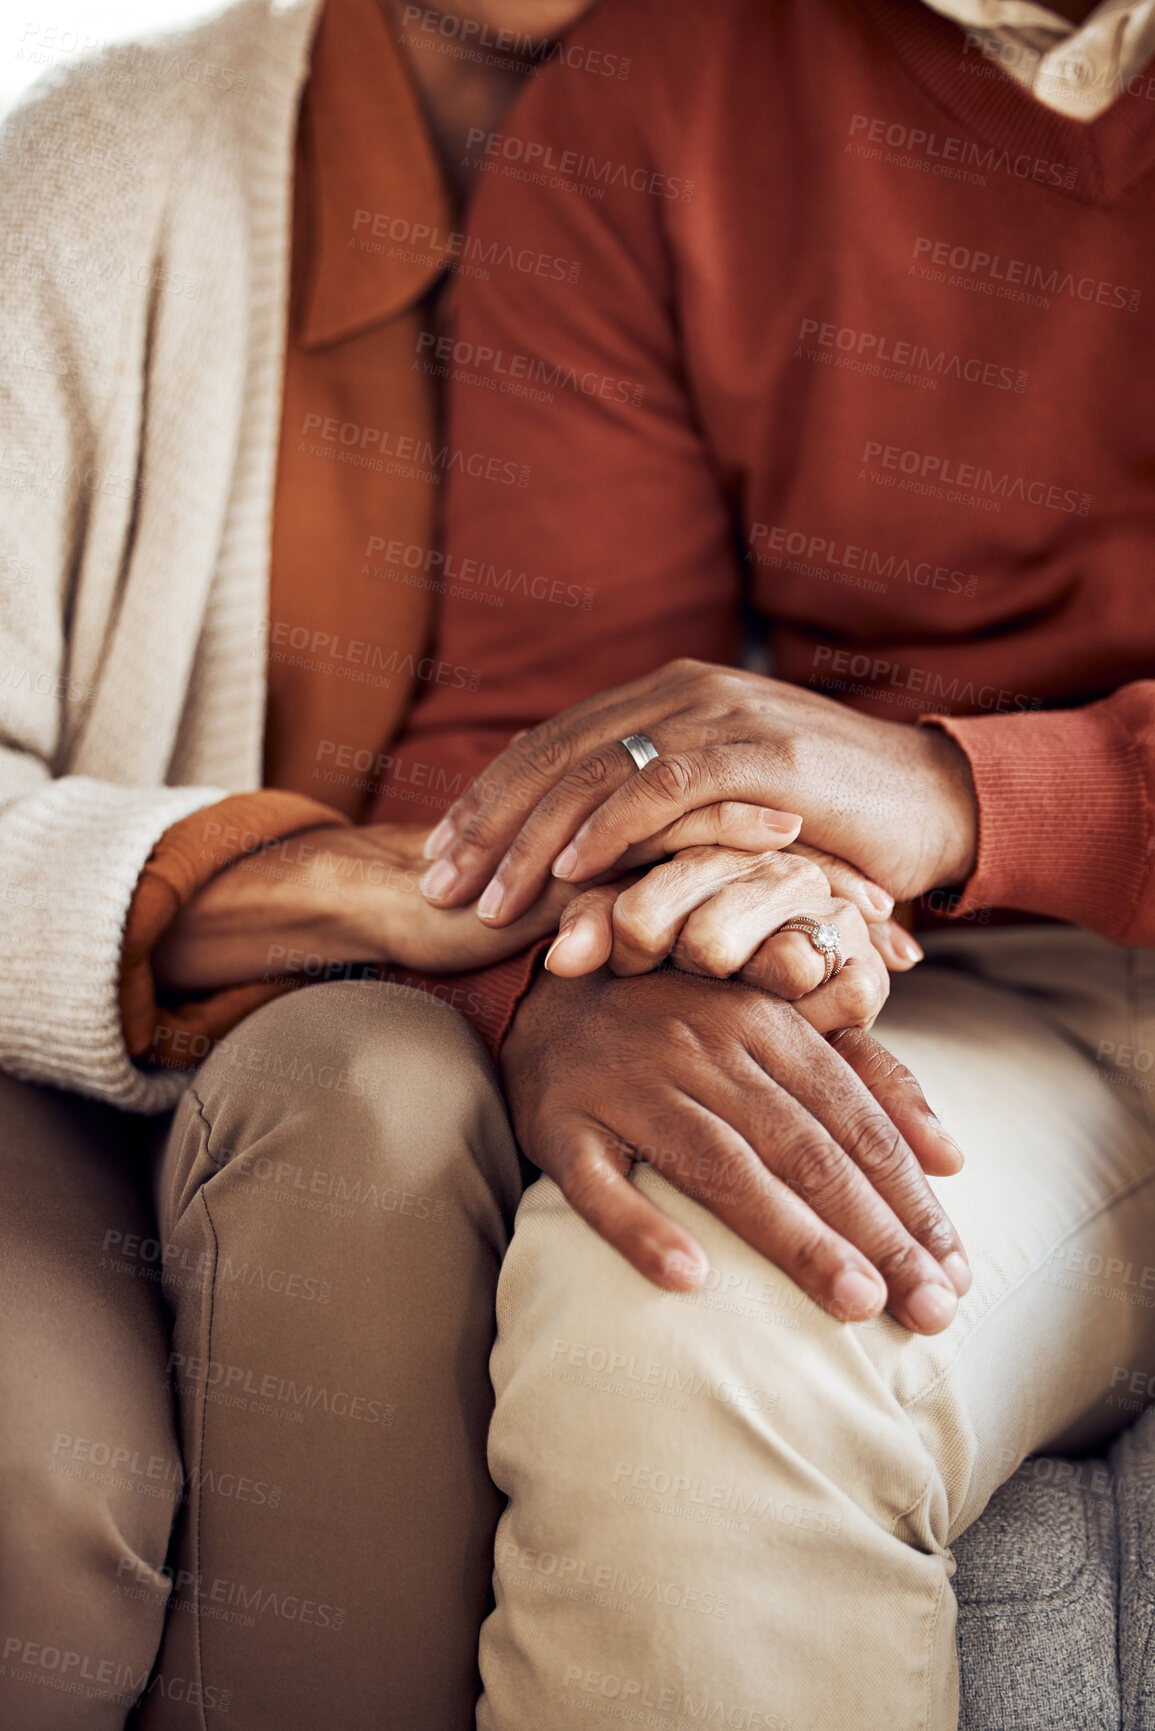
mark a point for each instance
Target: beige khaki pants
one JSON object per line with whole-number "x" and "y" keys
{"x": 259, "y": 1497}
{"x": 729, "y": 1510}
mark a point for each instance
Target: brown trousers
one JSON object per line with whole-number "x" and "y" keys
{"x": 242, "y": 1453}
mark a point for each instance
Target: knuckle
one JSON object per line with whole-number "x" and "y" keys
{"x": 585, "y": 1180}
{"x": 548, "y": 755}
{"x": 481, "y": 828}
{"x": 933, "y": 1230}
{"x": 637, "y": 915}
{"x": 788, "y": 980}
{"x": 711, "y": 677}
{"x": 877, "y": 1067}
{"x": 680, "y": 1037}
{"x": 592, "y": 901}
{"x": 766, "y": 1027}
{"x": 807, "y": 873}
{"x": 816, "y": 1171}
{"x": 849, "y": 1044}
{"x": 852, "y": 925}
{"x": 899, "y": 1077}
{"x": 462, "y": 807}
{"x": 520, "y": 848}
{"x": 705, "y": 1169}
{"x": 681, "y": 1041}
{"x": 705, "y": 952}
{"x": 491, "y": 792}
{"x": 730, "y": 1181}
{"x": 685, "y": 667}
{"x": 861, "y": 996}
{"x": 901, "y": 1263}
{"x": 808, "y": 1258}
{"x": 879, "y": 1149}
{"x": 786, "y": 968}
{"x": 785, "y": 756}
{"x": 670, "y": 777}
{"x": 593, "y": 773}
{"x": 637, "y": 935}
{"x": 770, "y": 871}
{"x": 734, "y": 683}
{"x": 728, "y": 813}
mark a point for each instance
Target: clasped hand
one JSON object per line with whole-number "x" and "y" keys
{"x": 814, "y": 1150}
{"x": 718, "y": 910}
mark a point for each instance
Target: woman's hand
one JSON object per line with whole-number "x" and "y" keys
{"x": 895, "y": 801}
{"x": 333, "y": 895}
{"x": 717, "y": 911}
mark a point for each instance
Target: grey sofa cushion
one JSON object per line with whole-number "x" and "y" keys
{"x": 1133, "y": 1465}
{"x": 1036, "y": 1586}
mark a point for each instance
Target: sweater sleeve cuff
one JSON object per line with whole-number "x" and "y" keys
{"x": 1061, "y": 812}
{"x": 187, "y": 855}
{"x": 488, "y": 998}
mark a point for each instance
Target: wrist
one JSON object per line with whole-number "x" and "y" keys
{"x": 547, "y": 998}
{"x": 345, "y": 892}
{"x": 956, "y": 804}
{"x": 290, "y": 900}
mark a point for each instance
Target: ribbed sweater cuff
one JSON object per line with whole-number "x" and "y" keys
{"x": 1062, "y": 815}
{"x": 185, "y": 858}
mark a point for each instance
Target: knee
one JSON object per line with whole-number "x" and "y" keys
{"x": 84, "y": 1547}
{"x": 364, "y": 1045}
{"x": 748, "y": 1365}
{"x": 348, "y": 1087}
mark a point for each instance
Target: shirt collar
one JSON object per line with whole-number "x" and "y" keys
{"x": 1037, "y": 15}
{"x": 372, "y": 212}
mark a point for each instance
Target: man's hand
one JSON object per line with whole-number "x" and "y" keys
{"x": 333, "y": 895}
{"x": 810, "y": 1150}
{"x": 896, "y": 801}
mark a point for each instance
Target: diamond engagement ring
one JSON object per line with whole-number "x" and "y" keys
{"x": 641, "y": 748}
{"x": 825, "y": 939}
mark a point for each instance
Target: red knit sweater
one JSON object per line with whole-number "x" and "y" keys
{"x": 849, "y": 325}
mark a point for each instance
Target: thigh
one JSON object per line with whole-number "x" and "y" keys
{"x": 727, "y": 1503}
{"x": 89, "y": 1469}
{"x": 338, "y": 1190}
{"x": 1017, "y": 1037}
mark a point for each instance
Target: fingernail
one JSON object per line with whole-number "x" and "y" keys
{"x": 878, "y": 898}
{"x": 854, "y": 1297}
{"x": 438, "y": 839}
{"x": 958, "y": 1271}
{"x": 944, "y": 1135}
{"x": 438, "y": 881}
{"x": 555, "y": 946}
{"x": 908, "y": 949}
{"x": 687, "y": 1271}
{"x": 781, "y": 821}
{"x": 565, "y": 862}
{"x": 489, "y": 906}
{"x": 930, "y": 1308}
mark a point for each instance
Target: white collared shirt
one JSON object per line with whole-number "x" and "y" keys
{"x": 1077, "y": 69}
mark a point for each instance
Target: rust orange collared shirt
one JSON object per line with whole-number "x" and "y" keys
{"x": 373, "y": 226}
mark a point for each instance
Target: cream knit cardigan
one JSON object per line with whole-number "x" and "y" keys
{"x": 144, "y": 234}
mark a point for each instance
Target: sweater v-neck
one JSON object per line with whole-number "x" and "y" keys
{"x": 1103, "y": 157}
